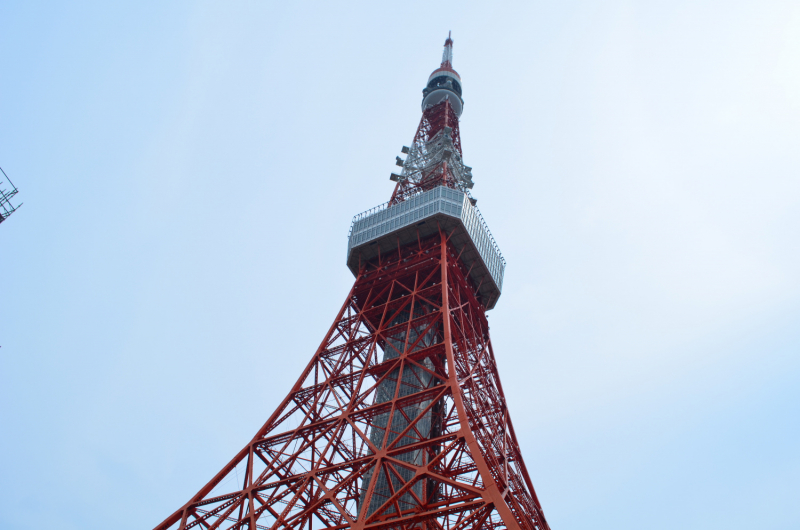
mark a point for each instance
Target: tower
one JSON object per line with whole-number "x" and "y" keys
{"x": 399, "y": 420}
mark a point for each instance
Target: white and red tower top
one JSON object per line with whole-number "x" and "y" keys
{"x": 434, "y": 158}
{"x": 447, "y": 55}
{"x": 444, "y": 82}
{"x": 433, "y": 192}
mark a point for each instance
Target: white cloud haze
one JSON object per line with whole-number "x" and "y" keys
{"x": 189, "y": 172}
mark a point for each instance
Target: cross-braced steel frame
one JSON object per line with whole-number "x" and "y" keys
{"x": 6, "y": 207}
{"x": 398, "y": 422}
{"x": 435, "y": 155}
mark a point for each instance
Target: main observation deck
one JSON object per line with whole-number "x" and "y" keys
{"x": 380, "y": 229}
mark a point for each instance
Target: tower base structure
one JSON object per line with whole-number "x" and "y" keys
{"x": 398, "y": 422}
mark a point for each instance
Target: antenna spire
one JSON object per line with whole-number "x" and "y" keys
{"x": 447, "y": 56}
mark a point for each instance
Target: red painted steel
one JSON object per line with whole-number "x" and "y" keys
{"x": 313, "y": 464}
{"x": 399, "y": 421}
{"x": 434, "y": 119}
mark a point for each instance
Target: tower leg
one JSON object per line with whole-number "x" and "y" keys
{"x": 399, "y": 420}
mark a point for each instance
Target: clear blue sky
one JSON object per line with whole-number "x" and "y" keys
{"x": 189, "y": 171}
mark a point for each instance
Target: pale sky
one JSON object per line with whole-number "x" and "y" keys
{"x": 189, "y": 171}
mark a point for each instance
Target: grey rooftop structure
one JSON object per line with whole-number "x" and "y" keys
{"x": 380, "y": 229}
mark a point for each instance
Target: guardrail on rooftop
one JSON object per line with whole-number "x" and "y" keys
{"x": 383, "y": 219}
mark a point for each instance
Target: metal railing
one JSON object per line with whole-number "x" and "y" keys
{"x": 384, "y": 219}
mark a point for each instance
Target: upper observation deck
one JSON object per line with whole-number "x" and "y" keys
{"x": 382, "y": 228}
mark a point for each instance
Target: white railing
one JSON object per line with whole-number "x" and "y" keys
{"x": 384, "y": 219}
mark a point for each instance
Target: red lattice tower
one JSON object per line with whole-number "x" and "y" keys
{"x": 399, "y": 420}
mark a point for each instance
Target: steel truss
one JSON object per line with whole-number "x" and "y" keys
{"x": 6, "y": 206}
{"x": 435, "y": 157}
{"x": 398, "y": 422}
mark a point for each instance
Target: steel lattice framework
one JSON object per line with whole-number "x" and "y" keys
{"x": 6, "y": 206}
{"x": 399, "y": 420}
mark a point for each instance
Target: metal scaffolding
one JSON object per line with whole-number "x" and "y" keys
{"x": 6, "y": 206}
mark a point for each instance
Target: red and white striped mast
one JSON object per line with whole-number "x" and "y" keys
{"x": 434, "y": 157}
